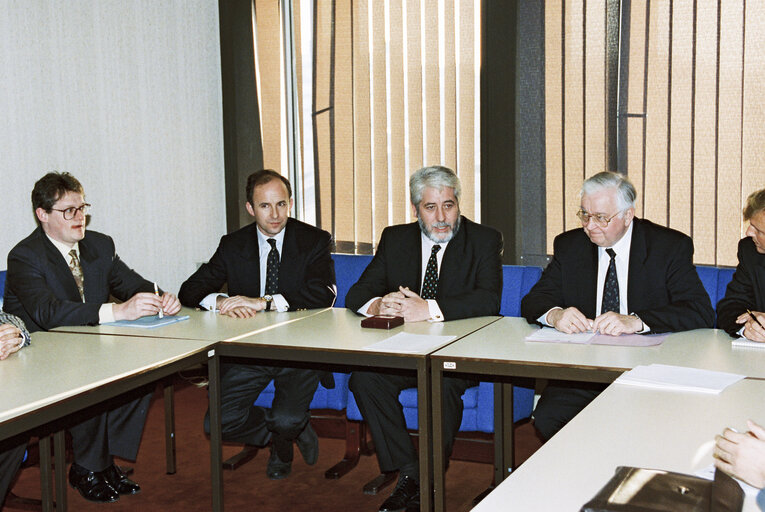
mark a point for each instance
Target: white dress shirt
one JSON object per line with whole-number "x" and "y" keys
{"x": 426, "y": 246}
{"x": 279, "y": 302}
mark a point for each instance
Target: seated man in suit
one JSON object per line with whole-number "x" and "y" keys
{"x": 63, "y": 275}
{"x": 13, "y": 336}
{"x": 746, "y": 291}
{"x": 617, "y": 275}
{"x": 442, "y": 267}
{"x": 277, "y": 263}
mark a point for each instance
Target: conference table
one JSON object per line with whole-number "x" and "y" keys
{"x": 500, "y": 352}
{"x": 627, "y": 426}
{"x": 62, "y": 374}
{"x": 334, "y": 339}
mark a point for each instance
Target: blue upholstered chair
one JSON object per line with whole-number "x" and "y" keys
{"x": 715, "y": 281}
{"x": 2, "y": 287}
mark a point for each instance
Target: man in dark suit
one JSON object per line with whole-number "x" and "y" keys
{"x": 746, "y": 291}
{"x": 13, "y": 336}
{"x": 276, "y": 263}
{"x": 441, "y": 268}
{"x": 616, "y": 275}
{"x": 61, "y": 275}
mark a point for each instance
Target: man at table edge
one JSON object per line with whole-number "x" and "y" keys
{"x": 13, "y": 336}
{"x": 442, "y": 267}
{"x": 746, "y": 290}
{"x": 276, "y": 263}
{"x": 62, "y": 274}
{"x": 617, "y": 274}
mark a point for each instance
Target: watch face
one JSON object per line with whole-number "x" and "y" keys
{"x": 268, "y": 298}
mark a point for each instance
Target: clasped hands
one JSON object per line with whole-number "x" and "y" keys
{"x": 404, "y": 303}
{"x": 146, "y": 304}
{"x": 240, "y": 306}
{"x": 11, "y": 340}
{"x": 742, "y": 455}
{"x": 571, "y": 320}
{"x": 752, "y": 329}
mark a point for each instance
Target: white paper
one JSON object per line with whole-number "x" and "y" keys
{"x": 709, "y": 473}
{"x": 550, "y": 334}
{"x": 678, "y": 378}
{"x": 406, "y": 343}
{"x": 743, "y": 342}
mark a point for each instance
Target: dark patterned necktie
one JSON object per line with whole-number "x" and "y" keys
{"x": 430, "y": 283}
{"x": 76, "y": 269}
{"x": 611, "y": 287}
{"x": 272, "y": 269}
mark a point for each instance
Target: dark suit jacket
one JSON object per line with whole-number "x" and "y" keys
{"x": 40, "y": 288}
{"x": 664, "y": 289}
{"x": 746, "y": 290}
{"x": 469, "y": 280}
{"x": 306, "y": 270}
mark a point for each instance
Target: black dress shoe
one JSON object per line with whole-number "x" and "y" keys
{"x": 407, "y": 490}
{"x": 119, "y": 481}
{"x": 92, "y": 485}
{"x": 308, "y": 444}
{"x": 276, "y": 468}
{"x": 414, "y": 504}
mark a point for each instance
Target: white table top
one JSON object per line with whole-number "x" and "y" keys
{"x": 201, "y": 325}
{"x": 339, "y": 329}
{"x": 626, "y": 426}
{"x": 503, "y": 341}
{"x": 59, "y": 366}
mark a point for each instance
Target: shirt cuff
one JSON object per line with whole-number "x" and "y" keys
{"x": 209, "y": 302}
{"x": 279, "y": 304}
{"x": 435, "y": 312}
{"x": 363, "y": 309}
{"x": 543, "y": 319}
{"x": 106, "y": 313}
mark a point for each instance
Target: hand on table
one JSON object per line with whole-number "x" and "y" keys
{"x": 11, "y": 340}
{"x": 569, "y": 320}
{"x": 614, "y": 324}
{"x": 752, "y": 330}
{"x": 742, "y": 455}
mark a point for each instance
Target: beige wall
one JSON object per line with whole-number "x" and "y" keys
{"x": 125, "y": 95}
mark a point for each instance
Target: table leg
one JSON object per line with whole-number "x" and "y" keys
{"x": 169, "y": 426}
{"x": 499, "y": 434}
{"x": 439, "y": 495}
{"x": 508, "y": 420}
{"x": 216, "y": 449}
{"x": 424, "y": 427}
{"x": 59, "y": 451}
{"x": 45, "y": 474}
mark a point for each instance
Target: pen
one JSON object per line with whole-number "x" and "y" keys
{"x": 755, "y": 319}
{"x": 156, "y": 292}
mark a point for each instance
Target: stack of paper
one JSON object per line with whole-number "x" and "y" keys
{"x": 678, "y": 378}
{"x": 743, "y": 342}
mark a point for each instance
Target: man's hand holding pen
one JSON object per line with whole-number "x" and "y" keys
{"x": 753, "y": 325}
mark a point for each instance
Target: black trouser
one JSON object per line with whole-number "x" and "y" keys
{"x": 560, "y": 401}
{"x": 11, "y": 457}
{"x": 114, "y": 432}
{"x": 243, "y": 422}
{"x": 377, "y": 397}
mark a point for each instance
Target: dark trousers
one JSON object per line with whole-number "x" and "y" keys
{"x": 10, "y": 461}
{"x": 560, "y": 401}
{"x": 243, "y": 422}
{"x": 376, "y": 395}
{"x": 114, "y": 432}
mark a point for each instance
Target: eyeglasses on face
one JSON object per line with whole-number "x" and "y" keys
{"x": 71, "y": 212}
{"x": 600, "y": 219}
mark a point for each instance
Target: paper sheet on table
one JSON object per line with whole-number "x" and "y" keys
{"x": 406, "y": 343}
{"x": 709, "y": 473}
{"x": 678, "y": 378}
{"x": 150, "y": 322}
{"x": 743, "y": 342}
{"x": 550, "y": 335}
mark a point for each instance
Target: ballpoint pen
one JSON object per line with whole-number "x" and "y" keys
{"x": 755, "y": 318}
{"x": 156, "y": 292}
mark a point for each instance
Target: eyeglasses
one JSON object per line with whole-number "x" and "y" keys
{"x": 69, "y": 213}
{"x": 600, "y": 219}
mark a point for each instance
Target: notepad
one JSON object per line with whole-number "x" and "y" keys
{"x": 678, "y": 378}
{"x": 743, "y": 342}
{"x": 150, "y": 322}
{"x": 550, "y": 335}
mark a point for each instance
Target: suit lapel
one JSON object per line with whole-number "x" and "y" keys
{"x": 588, "y": 272}
{"x": 61, "y": 271}
{"x": 410, "y": 250}
{"x": 638, "y": 255}
{"x": 454, "y": 256}
{"x": 288, "y": 259}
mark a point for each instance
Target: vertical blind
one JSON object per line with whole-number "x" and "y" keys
{"x": 392, "y": 86}
{"x": 693, "y": 137}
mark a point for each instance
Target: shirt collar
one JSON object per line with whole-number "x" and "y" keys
{"x": 622, "y": 247}
{"x": 63, "y": 248}
{"x": 427, "y": 244}
{"x": 263, "y": 239}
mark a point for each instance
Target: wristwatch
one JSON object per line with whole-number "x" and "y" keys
{"x": 269, "y": 299}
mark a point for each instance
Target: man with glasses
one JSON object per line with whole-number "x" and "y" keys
{"x": 63, "y": 275}
{"x": 617, "y": 274}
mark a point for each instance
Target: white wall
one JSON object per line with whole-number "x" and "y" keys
{"x": 126, "y": 96}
